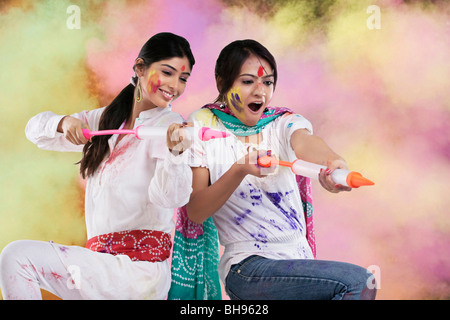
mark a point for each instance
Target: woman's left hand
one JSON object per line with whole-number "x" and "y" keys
{"x": 177, "y": 140}
{"x": 325, "y": 176}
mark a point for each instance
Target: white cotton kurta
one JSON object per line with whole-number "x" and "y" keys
{"x": 133, "y": 188}
{"x": 263, "y": 216}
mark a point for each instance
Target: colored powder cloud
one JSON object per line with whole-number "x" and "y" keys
{"x": 378, "y": 97}
{"x": 43, "y": 67}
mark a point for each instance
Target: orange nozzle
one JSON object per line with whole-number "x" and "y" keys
{"x": 268, "y": 161}
{"x": 356, "y": 180}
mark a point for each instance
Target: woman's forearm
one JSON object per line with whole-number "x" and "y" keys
{"x": 312, "y": 148}
{"x": 204, "y": 202}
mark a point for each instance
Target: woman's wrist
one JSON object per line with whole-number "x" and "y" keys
{"x": 238, "y": 171}
{"x": 60, "y": 125}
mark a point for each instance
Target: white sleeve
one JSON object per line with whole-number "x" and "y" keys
{"x": 171, "y": 185}
{"x": 285, "y": 127}
{"x": 196, "y": 154}
{"x": 292, "y": 122}
{"x": 41, "y": 129}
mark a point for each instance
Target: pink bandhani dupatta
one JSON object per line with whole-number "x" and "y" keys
{"x": 304, "y": 186}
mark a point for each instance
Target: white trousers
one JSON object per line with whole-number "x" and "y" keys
{"x": 27, "y": 266}
{"x": 73, "y": 272}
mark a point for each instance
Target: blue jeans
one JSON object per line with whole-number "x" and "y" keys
{"x": 258, "y": 278}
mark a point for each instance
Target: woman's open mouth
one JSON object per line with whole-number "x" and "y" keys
{"x": 255, "y": 106}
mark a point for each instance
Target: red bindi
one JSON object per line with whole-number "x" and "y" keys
{"x": 182, "y": 68}
{"x": 260, "y": 71}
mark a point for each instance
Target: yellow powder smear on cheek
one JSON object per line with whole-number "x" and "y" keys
{"x": 153, "y": 82}
{"x": 234, "y": 100}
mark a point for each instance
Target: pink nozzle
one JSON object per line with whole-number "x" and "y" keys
{"x": 207, "y": 134}
{"x": 87, "y": 133}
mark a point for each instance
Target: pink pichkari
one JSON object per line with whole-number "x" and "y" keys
{"x": 147, "y": 132}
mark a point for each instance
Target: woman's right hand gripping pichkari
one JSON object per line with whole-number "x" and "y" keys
{"x": 72, "y": 129}
{"x": 249, "y": 164}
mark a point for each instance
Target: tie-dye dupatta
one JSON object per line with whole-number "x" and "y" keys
{"x": 196, "y": 253}
{"x": 304, "y": 186}
{"x": 195, "y": 260}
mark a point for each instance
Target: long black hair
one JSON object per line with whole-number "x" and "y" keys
{"x": 231, "y": 59}
{"x": 161, "y": 46}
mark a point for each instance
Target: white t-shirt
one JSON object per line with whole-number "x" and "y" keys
{"x": 263, "y": 216}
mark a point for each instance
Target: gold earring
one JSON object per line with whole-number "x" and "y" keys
{"x": 138, "y": 94}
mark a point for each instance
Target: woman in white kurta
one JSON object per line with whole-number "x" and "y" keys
{"x": 126, "y": 205}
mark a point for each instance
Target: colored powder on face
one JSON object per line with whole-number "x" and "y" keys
{"x": 234, "y": 98}
{"x": 153, "y": 82}
{"x": 260, "y": 71}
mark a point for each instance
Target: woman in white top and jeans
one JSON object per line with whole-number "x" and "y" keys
{"x": 258, "y": 212}
{"x": 129, "y": 215}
